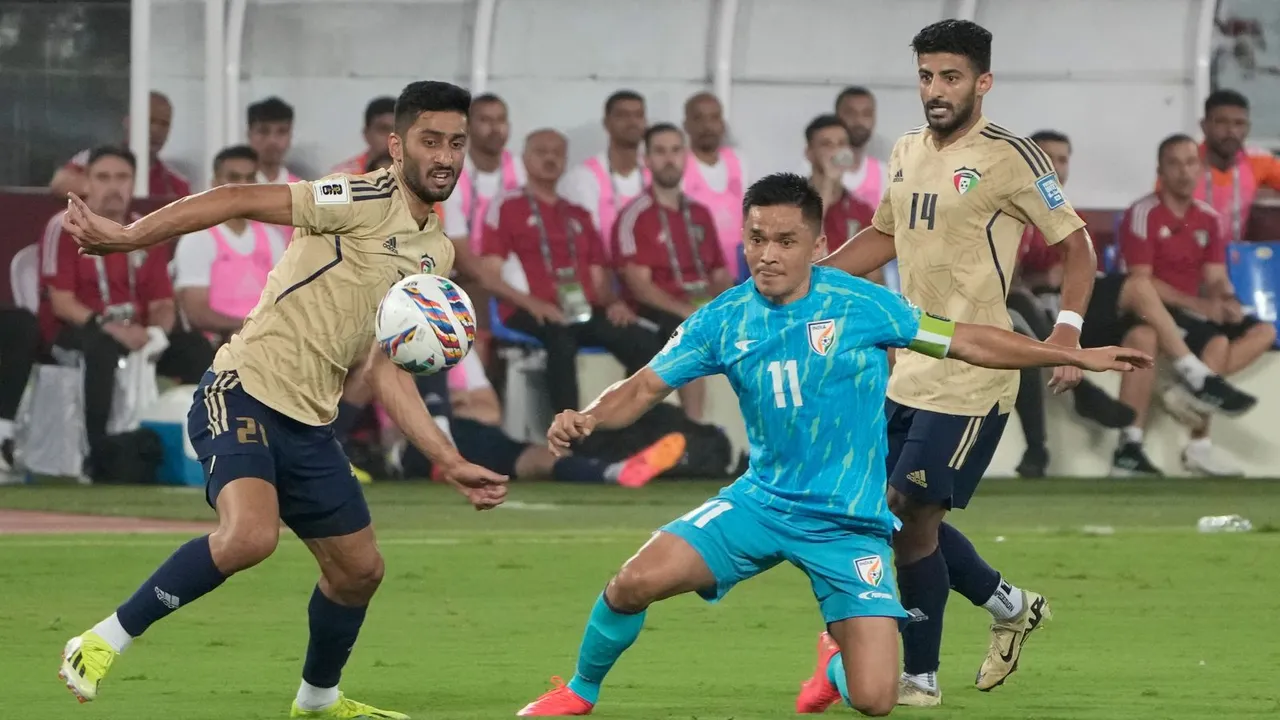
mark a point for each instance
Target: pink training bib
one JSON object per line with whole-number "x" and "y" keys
{"x": 611, "y": 202}
{"x": 475, "y": 205}
{"x": 235, "y": 280}
{"x": 725, "y": 207}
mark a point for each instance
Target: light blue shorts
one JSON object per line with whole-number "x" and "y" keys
{"x": 738, "y": 538}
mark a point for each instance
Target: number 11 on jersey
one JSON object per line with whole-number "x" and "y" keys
{"x": 785, "y": 378}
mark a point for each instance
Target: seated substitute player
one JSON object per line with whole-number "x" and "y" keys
{"x": 803, "y": 347}
{"x": 961, "y": 192}
{"x": 261, "y": 420}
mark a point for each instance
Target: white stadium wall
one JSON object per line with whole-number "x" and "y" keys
{"x": 1116, "y": 75}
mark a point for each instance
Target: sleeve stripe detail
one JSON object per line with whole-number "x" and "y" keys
{"x": 1020, "y": 144}
{"x": 1139, "y": 215}
{"x": 627, "y": 225}
{"x": 49, "y": 248}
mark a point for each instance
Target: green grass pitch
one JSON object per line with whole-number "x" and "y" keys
{"x": 1152, "y": 620}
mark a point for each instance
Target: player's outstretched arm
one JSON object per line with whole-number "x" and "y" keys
{"x": 97, "y": 235}
{"x": 621, "y": 404}
{"x": 396, "y": 391}
{"x": 863, "y": 254}
{"x": 999, "y": 349}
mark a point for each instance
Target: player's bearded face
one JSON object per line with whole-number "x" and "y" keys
{"x": 1225, "y": 129}
{"x": 1180, "y": 169}
{"x": 665, "y": 158}
{"x": 430, "y": 154}
{"x": 949, "y": 91}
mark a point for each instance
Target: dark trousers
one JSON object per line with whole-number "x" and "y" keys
{"x": 1030, "y": 318}
{"x": 18, "y": 352}
{"x": 189, "y": 355}
{"x": 632, "y": 345}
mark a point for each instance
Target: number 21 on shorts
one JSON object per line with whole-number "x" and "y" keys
{"x": 786, "y": 381}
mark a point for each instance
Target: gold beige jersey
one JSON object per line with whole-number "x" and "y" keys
{"x": 957, "y": 216}
{"x": 355, "y": 239}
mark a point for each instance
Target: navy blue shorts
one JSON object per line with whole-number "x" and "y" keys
{"x": 236, "y": 436}
{"x": 939, "y": 459}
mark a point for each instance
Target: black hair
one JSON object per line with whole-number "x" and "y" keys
{"x": 1044, "y": 136}
{"x": 273, "y": 109}
{"x": 852, "y": 91}
{"x": 484, "y": 98}
{"x": 822, "y": 122}
{"x": 658, "y": 129}
{"x": 621, "y": 96}
{"x": 235, "y": 152}
{"x": 103, "y": 151}
{"x": 958, "y": 37}
{"x": 384, "y": 105}
{"x": 429, "y": 96}
{"x": 376, "y": 162}
{"x": 1174, "y": 139}
{"x": 786, "y": 188}
{"x": 1225, "y": 98}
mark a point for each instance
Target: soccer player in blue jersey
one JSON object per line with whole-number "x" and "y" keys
{"x": 804, "y": 349}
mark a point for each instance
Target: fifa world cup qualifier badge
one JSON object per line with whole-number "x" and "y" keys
{"x": 965, "y": 179}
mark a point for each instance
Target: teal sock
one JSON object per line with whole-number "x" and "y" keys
{"x": 835, "y": 673}
{"x": 608, "y": 635}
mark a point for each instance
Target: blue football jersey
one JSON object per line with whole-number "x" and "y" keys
{"x": 810, "y": 377}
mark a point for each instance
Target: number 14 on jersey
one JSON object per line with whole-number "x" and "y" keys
{"x": 786, "y": 381}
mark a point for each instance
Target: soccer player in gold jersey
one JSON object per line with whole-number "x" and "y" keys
{"x": 961, "y": 191}
{"x": 261, "y": 421}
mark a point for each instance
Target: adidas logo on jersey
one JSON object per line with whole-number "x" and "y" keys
{"x": 917, "y": 477}
{"x": 897, "y": 177}
{"x": 390, "y": 245}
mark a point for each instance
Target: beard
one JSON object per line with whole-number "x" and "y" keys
{"x": 412, "y": 176}
{"x": 960, "y": 114}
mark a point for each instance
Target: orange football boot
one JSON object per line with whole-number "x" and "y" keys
{"x": 818, "y": 693}
{"x": 652, "y": 461}
{"x": 559, "y": 701}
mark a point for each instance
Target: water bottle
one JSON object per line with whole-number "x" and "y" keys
{"x": 1223, "y": 524}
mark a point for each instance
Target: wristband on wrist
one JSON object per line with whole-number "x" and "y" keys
{"x": 1072, "y": 318}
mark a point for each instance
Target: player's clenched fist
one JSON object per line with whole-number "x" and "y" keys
{"x": 568, "y": 426}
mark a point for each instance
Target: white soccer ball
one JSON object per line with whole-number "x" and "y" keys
{"x": 425, "y": 324}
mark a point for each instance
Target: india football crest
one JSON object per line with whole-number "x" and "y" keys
{"x": 822, "y": 335}
{"x": 870, "y": 569}
{"x": 965, "y": 179}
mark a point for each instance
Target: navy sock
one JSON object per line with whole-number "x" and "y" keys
{"x": 348, "y": 415}
{"x": 334, "y": 629}
{"x": 578, "y": 469}
{"x": 924, "y": 587}
{"x": 188, "y": 574}
{"x": 971, "y": 576}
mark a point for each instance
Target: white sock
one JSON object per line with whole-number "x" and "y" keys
{"x": 925, "y": 681}
{"x": 313, "y": 698}
{"x": 1006, "y": 602}
{"x": 114, "y": 633}
{"x": 1132, "y": 434}
{"x": 1192, "y": 370}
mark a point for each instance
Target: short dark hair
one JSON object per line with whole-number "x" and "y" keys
{"x": 1044, "y": 136}
{"x": 822, "y": 122}
{"x": 385, "y": 105}
{"x": 1225, "y": 98}
{"x": 235, "y": 152}
{"x": 621, "y": 96}
{"x": 658, "y": 129}
{"x": 104, "y": 151}
{"x": 376, "y": 161}
{"x": 273, "y": 109}
{"x": 958, "y": 37}
{"x": 488, "y": 97}
{"x": 851, "y": 92}
{"x": 786, "y": 188}
{"x": 429, "y": 96}
{"x": 1174, "y": 139}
